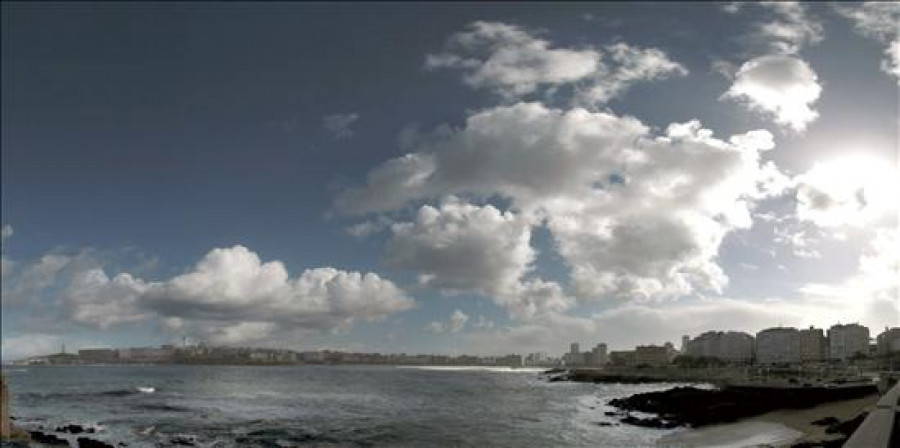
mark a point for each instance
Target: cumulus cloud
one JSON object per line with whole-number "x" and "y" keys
{"x": 232, "y": 285}
{"x": 34, "y": 278}
{"x": 461, "y": 247}
{"x": 848, "y": 191}
{"x": 877, "y": 20}
{"x": 511, "y": 61}
{"x": 95, "y": 300}
{"x": 631, "y": 65}
{"x": 514, "y": 62}
{"x": 633, "y": 214}
{"x": 777, "y": 82}
{"x": 791, "y": 28}
{"x": 784, "y": 87}
{"x": 454, "y": 324}
{"x": 229, "y": 296}
{"x": 339, "y": 125}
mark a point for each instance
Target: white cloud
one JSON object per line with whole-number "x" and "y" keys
{"x": 230, "y": 295}
{"x": 633, "y": 214}
{"x": 631, "y": 65}
{"x": 461, "y": 247}
{"x": 852, "y": 190}
{"x": 877, "y": 20}
{"x": 511, "y": 61}
{"x": 33, "y": 279}
{"x": 514, "y": 63}
{"x": 5, "y": 233}
{"x": 455, "y": 324}
{"x": 782, "y": 86}
{"x": 791, "y": 29}
{"x": 93, "y": 299}
{"x": 232, "y": 285}
{"x": 339, "y": 125}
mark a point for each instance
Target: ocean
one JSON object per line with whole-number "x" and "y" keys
{"x": 329, "y": 406}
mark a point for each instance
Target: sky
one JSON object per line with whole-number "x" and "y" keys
{"x": 445, "y": 178}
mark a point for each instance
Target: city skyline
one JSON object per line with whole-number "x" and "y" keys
{"x": 503, "y": 178}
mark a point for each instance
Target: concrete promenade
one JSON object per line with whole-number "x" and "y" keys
{"x": 880, "y": 429}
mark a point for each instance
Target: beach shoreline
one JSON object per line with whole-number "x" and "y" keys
{"x": 780, "y": 428}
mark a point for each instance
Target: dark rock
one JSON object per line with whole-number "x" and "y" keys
{"x": 604, "y": 424}
{"x": 833, "y": 443}
{"x": 182, "y": 441}
{"x": 84, "y": 442}
{"x": 700, "y": 407}
{"x": 75, "y": 429}
{"x": 554, "y": 371}
{"x": 847, "y": 427}
{"x": 47, "y": 439}
{"x": 826, "y": 421}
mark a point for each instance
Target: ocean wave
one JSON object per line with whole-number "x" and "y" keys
{"x": 476, "y": 369}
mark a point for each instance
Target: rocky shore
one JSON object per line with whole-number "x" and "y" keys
{"x": 694, "y": 407}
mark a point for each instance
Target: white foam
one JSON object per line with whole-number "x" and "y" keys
{"x": 146, "y": 389}
{"x": 733, "y": 435}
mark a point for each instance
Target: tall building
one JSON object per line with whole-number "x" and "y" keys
{"x": 731, "y": 346}
{"x": 845, "y": 341}
{"x": 780, "y": 345}
{"x": 813, "y": 346}
{"x": 888, "y": 341}
{"x": 598, "y": 355}
{"x": 574, "y": 348}
{"x": 685, "y": 340}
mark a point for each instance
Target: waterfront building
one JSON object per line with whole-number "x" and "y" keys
{"x": 98, "y": 355}
{"x": 846, "y": 341}
{"x": 651, "y": 355}
{"x": 779, "y": 345}
{"x": 731, "y": 346}
{"x": 685, "y": 341}
{"x": 813, "y": 345}
{"x": 623, "y": 358}
{"x": 598, "y": 355}
{"x": 888, "y": 341}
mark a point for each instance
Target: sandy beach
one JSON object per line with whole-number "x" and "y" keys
{"x": 781, "y": 428}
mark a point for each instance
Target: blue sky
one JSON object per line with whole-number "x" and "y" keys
{"x": 445, "y": 178}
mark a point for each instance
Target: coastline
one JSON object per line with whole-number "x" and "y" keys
{"x": 782, "y": 428}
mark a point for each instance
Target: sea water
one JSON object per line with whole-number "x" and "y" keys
{"x": 323, "y": 406}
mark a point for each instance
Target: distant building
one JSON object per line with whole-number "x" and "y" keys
{"x": 780, "y": 345}
{"x": 845, "y": 341}
{"x": 730, "y": 346}
{"x": 625, "y": 358}
{"x": 98, "y": 355}
{"x": 599, "y": 356}
{"x": 685, "y": 341}
{"x": 888, "y": 341}
{"x": 813, "y": 345}
{"x": 652, "y": 355}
